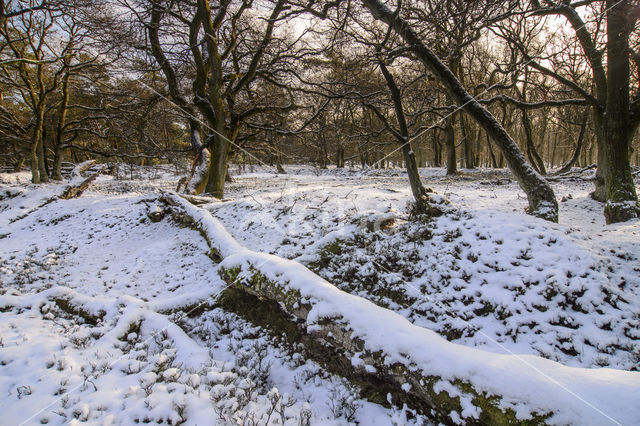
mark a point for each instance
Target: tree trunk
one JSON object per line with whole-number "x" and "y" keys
{"x": 467, "y": 143}
{"x": 622, "y": 200}
{"x": 542, "y": 200}
{"x": 36, "y": 147}
{"x": 42, "y": 162}
{"x": 340, "y": 157}
{"x": 450, "y": 145}
{"x": 437, "y": 154}
{"x": 278, "y": 153}
{"x": 325, "y": 154}
{"x": 477, "y": 150}
{"x": 600, "y": 193}
{"x": 218, "y": 166}
{"x": 59, "y": 135}
{"x": 57, "y": 163}
{"x": 494, "y": 163}
{"x": 576, "y": 153}
{"x": 532, "y": 153}
{"x": 74, "y": 190}
{"x": 33, "y": 154}
{"x": 19, "y": 164}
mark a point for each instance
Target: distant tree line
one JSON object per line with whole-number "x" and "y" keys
{"x": 536, "y": 86}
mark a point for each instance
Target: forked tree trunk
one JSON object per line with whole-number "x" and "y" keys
{"x": 532, "y": 153}
{"x": 579, "y": 144}
{"x": 542, "y": 200}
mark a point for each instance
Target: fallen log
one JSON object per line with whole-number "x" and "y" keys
{"x": 76, "y": 189}
{"x": 571, "y": 174}
{"x": 77, "y": 185}
{"x": 331, "y": 342}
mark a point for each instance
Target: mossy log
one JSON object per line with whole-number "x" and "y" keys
{"x": 64, "y": 302}
{"x": 330, "y": 342}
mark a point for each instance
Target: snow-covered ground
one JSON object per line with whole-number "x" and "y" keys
{"x": 489, "y": 276}
{"x": 486, "y": 276}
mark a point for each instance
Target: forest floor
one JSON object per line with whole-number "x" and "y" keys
{"x": 91, "y": 288}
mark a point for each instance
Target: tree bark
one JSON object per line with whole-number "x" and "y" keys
{"x": 59, "y": 136}
{"x": 42, "y": 161}
{"x": 542, "y": 200}
{"x": 218, "y": 166}
{"x": 33, "y": 156}
{"x": 19, "y": 164}
{"x": 340, "y": 157}
{"x": 622, "y": 200}
{"x": 467, "y": 144}
{"x": 437, "y": 154}
{"x": 600, "y": 193}
{"x": 200, "y": 170}
{"x": 450, "y": 145}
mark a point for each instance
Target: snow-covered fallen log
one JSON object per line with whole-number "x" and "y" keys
{"x": 91, "y": 309}
{"x": 453, "y": 383}
{"x": 26, "y": 202}
{"x": 78, "y": 185}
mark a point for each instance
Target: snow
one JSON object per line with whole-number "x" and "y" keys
{"x": 491, "y": 268}
{"x": 140, "y": 361}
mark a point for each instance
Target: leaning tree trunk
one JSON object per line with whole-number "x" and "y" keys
{"x": 542, "y": 200}
{"x": 622, "y": 200}
{"x": 19, "y": 164}
{"x": 424, "y": 202}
